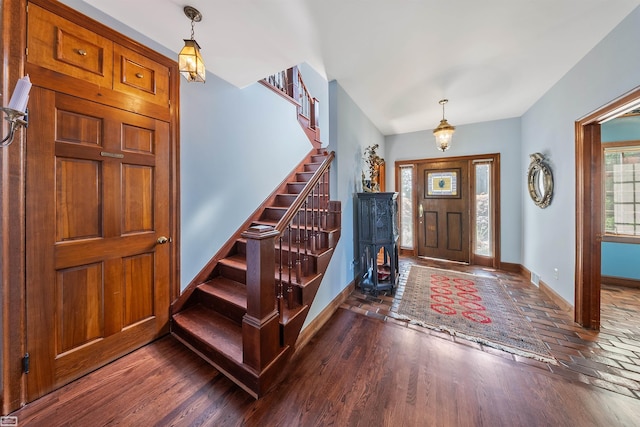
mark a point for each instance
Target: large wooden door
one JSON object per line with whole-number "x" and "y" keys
{"x": 443, "y": 210}
{"x": 97, "y": 207}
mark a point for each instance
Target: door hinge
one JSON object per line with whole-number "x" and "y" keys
{"x": 25, "y": 363}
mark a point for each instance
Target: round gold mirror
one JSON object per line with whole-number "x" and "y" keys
{"x": 540, "y": 181}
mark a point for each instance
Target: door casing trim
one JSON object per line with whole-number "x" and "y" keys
{"x": 493, "y": 262}
{"x": 589, "y": 211}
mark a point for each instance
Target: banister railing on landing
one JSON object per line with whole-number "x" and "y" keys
{"x": 300, "y": 227}
{"x": 289, "y": 82}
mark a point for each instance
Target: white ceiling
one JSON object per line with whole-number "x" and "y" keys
{"x": 396, "y": 58}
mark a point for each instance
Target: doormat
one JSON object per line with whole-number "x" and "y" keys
{"x": 475, "y": 308}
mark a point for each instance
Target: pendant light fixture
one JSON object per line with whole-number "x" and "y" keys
{"x": 444, "y": 131}
{"x": 189, "y": 59}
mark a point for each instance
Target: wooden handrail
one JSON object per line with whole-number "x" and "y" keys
{"x": 289, "y": 83}
{"x": 304, "y": 194}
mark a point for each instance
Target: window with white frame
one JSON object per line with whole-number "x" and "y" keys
{"x": 622, "y": 189}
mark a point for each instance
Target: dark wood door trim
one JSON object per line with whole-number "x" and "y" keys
{"x": 12, "y": 193}
{"x": 495, "y": 261}
{"x": 12, "y": 207}
{"x": 589, "y": 211}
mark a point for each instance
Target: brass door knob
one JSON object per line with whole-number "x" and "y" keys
{"x": 162, "y": 240}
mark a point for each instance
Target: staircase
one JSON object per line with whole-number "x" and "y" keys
{"x": 244, "y": 311}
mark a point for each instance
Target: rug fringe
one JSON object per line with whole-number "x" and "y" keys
{"x": 479, "y": 340}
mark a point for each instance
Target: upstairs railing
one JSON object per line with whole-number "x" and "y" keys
{"x": 289, "y": 82}
{"x": 300, "y": 231}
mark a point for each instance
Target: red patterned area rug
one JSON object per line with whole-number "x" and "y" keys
{"x": 472, "y": 307}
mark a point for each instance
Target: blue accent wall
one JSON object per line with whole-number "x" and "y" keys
{"x": 621, "y": 259}
{"x": 621, "y": 129}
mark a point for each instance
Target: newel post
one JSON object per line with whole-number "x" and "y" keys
{"x": 260, "y": 326}
{"x": 293, "y": 83}
{"x": 314, "y": 113}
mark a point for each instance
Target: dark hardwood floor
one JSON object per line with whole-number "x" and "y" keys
{"x": 362, "y": 368}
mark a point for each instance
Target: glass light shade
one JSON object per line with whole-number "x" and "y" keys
{"x": 443, "y": 133}
{"x": 190, "y": 62}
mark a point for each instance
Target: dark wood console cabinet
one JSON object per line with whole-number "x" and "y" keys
{"x": 377, "y": 236}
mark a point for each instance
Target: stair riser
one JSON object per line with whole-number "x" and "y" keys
{"x": 286, "y": 200}
{"x": 313, "y": 242}
{"x": 318, "y": 159}
{"x": 291, "y": 330}
{"x": 222, "y": 306}
{"x": 324, "y": 239}
{"x": 308, "y": 293}
{"x": 311, "y": 260}
{"x": 233, "y": 273}
{"x": 241, "y": 247}
{"x": 238, "y": 375}
{"x": 297, "y": 187}
{"x": 304, "y": 176}
{"x": 308, "y": 218}
{"x": 312, "y": 167}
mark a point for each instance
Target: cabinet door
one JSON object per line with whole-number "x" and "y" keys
{"x": 383, "y": 219}
{"x": 365, "y": 218}
{"x": 137, "y": 75}
{"x": 62, "y": 46}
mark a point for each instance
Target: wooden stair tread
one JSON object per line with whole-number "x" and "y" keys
{"x": 216, "y": 331}
{"x": 226, "y": 289}
{"x": 304, "y": 280}
{"x": 273, "y": 223}
{"x": 238, "y": 261}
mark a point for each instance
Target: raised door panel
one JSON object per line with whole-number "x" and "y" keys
{"x": 79, "y": 306}
{"x": 138, "y": 75}
{"x": 78, "y": 199}
{"x": 60, "y": 45}
{"x": 430, "y": 230}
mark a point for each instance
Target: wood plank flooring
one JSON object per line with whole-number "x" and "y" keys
{"x": 360, "y": 369}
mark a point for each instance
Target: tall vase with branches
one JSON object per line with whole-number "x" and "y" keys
{"x": 373, "y": 162}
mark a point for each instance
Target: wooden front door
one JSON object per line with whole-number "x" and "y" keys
{"x": 443, "y": 210}
{"x": 97, "y": 205}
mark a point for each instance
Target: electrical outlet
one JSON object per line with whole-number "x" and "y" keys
{"x": 556, "y": 274}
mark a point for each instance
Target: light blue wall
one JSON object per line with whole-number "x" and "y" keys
{"x": 228, "y": 139}
{"x": 351, "y": 132}
{"x": 608, "y": 71}
{"x": 621, "y": 259}
{"x": 501, "y": 136}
